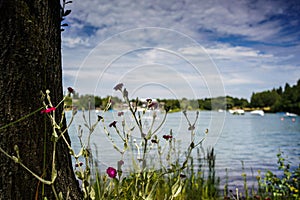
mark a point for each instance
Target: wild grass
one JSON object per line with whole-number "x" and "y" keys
{"x": 199, "y": 181}
{"x": 191, "y": 183}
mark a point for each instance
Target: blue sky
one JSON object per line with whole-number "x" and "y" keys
{"x": 181, "y": 48}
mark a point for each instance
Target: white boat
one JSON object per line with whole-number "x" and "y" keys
{"x": 237, "y": 112}
{"x": 257, "y": 112}
{"x": 287, "y": 114}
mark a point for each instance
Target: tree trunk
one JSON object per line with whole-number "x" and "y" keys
{"x": 30, "y": 62}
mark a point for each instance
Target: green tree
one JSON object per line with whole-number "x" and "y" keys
{"x": 173, "y": 104}
{"x": 264, "y": 99}
{"x": 279, "y": 91}
{"x": 30, "y": 61}
{"x": 287, "y": 100}
{"x": 287, "y": 96}
{"x": 207, "y": 104}
{"x": 218, "y": 103}
{"x": 240, "y": 102}
{"x": 98, "y": 102}
{"x": 290, "y": 101}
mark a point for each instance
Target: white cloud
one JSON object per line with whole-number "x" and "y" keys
{"x": 244, "y": 18}
{"x": 75, "y": 42}
{"x": 237, "y": 35}
{"x": 225, "y": 51}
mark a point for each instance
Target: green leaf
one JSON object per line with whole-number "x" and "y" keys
{"x": 53, "y": 175}
{"x": 60, "y": 196}
{"x": 184, "y": 165}
{"x": 152, "y": 192}
{"x": 125, "y": 146}
{"x": 176, "y": 188}
{"x": 15, "y": 159}
{"x": 16, "y": 148}
{"x": 79, "y": 175}
{"x": 92, "y": 194}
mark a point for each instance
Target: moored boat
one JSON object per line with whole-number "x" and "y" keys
{"x": 237, "y": 112}
{"x": 287, "y": 114}
{"x": 257, "y": 112}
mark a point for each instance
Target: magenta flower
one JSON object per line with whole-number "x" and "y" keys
{"x": 118, "y": 87}
{"x": 111, "y": 172}
{"x": 71, "y": 90}
{"x": 78, "y": 164}
{"x": 167, "y": 137}
{"x": 48, "y": 110}
{"x": 113, "y": 124}
{"x": 120, "y": 114}
{"x": 120, "y": 163}
{"x": 153, "y": 105}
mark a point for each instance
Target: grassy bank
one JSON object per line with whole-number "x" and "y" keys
{"x": 198, "y": 181}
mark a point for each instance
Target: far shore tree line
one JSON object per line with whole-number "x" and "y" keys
{"x": 275, "y": 100}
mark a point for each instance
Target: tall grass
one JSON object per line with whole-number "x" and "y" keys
{"x": 197, "y": 181}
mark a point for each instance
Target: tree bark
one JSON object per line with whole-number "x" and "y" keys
{"x": 30, "y": 62}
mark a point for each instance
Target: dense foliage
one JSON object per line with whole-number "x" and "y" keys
{"x": 82, "y": 101}
{"x": 277, "y": 100}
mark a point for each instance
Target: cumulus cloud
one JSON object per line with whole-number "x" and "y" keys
{"x": 255, "y": 20}
{"x": 226, "y": 51}
{"x": 244, "y": 38}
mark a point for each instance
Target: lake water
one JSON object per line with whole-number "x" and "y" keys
{"x": 251, "y": 139}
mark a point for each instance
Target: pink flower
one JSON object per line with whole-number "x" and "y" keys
{"x": 120, "y": 114}
{"x": 48, "y": 110}
{"x": 78, "y": 164}
{"x": 167, "y": 137}
{"x": 119, "y": 87}
{"x": 120, "y": 163}
{"x": 153, "y": 105}
{"x": 111, "y": 172}
{"x": 71, "y": 90}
